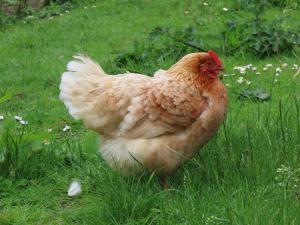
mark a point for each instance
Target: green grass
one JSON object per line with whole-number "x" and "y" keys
{"x": 233, "y": 180}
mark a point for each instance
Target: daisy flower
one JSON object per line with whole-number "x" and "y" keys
{"x": 269, "y": 65}
{"x": 23, "y": 122}
{"x": 278, "y": 70}
{"x": 66, "y": 128}
{"x": 18, "y": 118}
{"x": 240, "y": 80}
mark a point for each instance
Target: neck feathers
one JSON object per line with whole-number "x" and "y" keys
{"x": 182, "y": 71}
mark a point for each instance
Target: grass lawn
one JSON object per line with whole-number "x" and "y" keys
{"x": 249, "y": 173}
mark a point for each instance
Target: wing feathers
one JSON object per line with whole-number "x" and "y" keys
{"x": 162, "y": 109}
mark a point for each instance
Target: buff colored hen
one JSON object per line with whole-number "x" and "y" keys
{"x": 148, "y": 123}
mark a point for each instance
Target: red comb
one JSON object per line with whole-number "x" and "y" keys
{"x": 215, "y": 57}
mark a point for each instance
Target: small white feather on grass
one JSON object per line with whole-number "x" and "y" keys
{"x": 74, "y": 189}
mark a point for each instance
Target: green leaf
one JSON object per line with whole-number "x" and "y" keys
{"x": 257, "y": 95}
{"x": 6, "y": 97}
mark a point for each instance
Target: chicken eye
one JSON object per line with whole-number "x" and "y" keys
{"x": 209, "y": 63}
{"x": 206, "y": 64}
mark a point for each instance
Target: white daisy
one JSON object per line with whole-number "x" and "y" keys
{"x": 242, "y": 70}
{"x": 269, "y": 65}
{"x": 18, "y": 118}
{"x": 66, "y": 128}
{"x": 46, "y": 142}
{"x": 240, "y": 80}
{"x": 23, "y": 122}
{"x": 295, "y": 67}
{"x": 278, "y": 70}
{"x": 248, "y": 66}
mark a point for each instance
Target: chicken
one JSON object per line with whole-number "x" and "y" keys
{"x": 148, "y": 123}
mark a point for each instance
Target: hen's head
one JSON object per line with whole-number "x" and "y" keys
{"x": 202, "y": 64}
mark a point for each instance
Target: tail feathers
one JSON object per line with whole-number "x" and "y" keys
{"x": 83, "y": 64}
{"x": 83, "y": 76}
